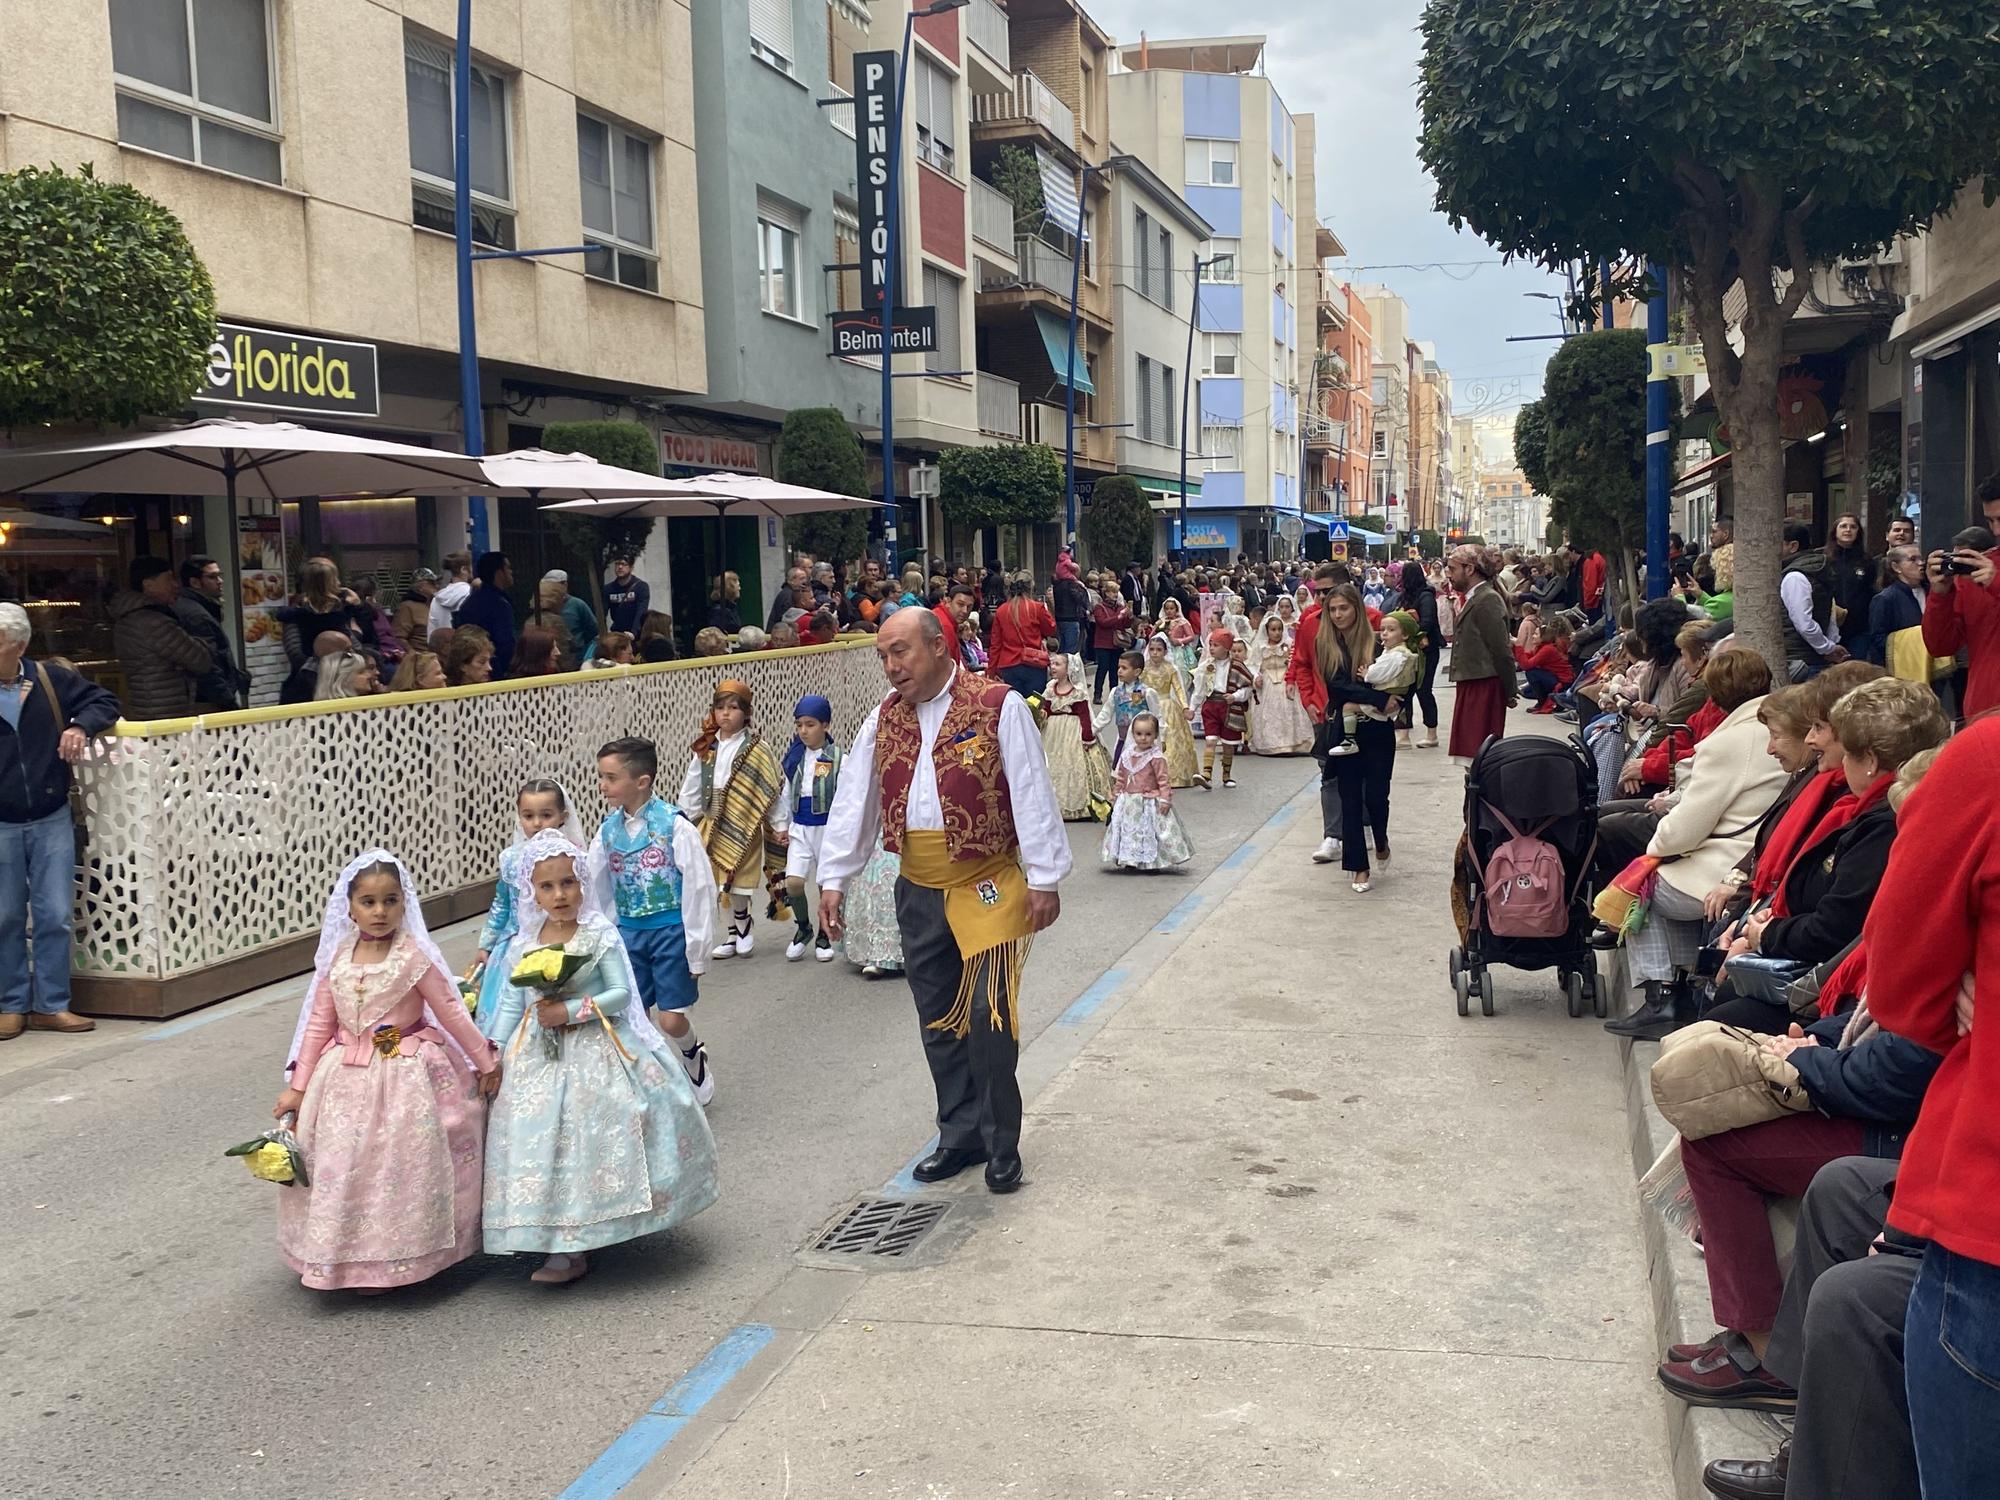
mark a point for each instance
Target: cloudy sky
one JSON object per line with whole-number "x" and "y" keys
{"x": 1354, "y": 67}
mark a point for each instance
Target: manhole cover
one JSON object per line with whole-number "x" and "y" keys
{"x": 890, "y": 1227}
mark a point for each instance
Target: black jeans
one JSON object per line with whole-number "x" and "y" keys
{"x": 1426, "y": 690}
{"x": 1363, "y": 778}
{"x": 1107, "y": 670}
{"x": 1624, "y": 829}
{"x": 1538, "y": 683}
{"x": 1027, "y": 681}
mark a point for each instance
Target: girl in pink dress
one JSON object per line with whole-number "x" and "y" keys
{"x": 381, "y": 1079}
{"x": 1144, "y": 833}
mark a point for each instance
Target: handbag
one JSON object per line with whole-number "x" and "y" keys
{"x": 1710, "y": 1078}
{"x": 1757, "y": 977}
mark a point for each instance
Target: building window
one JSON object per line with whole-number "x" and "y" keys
{"x": 781, "y": 230}
{"x": 937, "y": 124}
{"x": 1219, "y": 261}
{"x": 941, "y": 290}
{"x": 615, "y": 168}
{"x": 427, "y": 70}
{"x": 1088, "y": 249}
{"x": 1211, "y": 163}
{"x": 771, "y": 33}
{"x": 1381, "y": 445}
{"x": 1167, "y": 410}
{"x": 1378, "y": 390}
{"x": 1221, "y": 448}
{"x": 1166, "y": 268}
{"x": 847, "y": 252}
{"x": 1142, "y": 266}
{"x": 1142, "y": 413}
{"x": 1220, "y": 353}
{"x": 195, "y": 81}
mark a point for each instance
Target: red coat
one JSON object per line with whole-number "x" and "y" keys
{"x": 1676, "y": 746}
{"x": 1593, "y": 579}
{"x": 1968, "y": 619}
{"x": 1549, "y": 657}
{"x": 1300, "y": 672}
{"x": 1020, "y": 626}
{"x": 1935, "y": 917}
{"x": 1106, "y": 621}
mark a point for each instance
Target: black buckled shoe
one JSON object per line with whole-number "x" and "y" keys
{"x": 946, "y": 1162}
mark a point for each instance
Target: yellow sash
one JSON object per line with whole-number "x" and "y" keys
{"x": 986, "y": 907}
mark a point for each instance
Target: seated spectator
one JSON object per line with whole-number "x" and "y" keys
{"x": 782, "y": 638}
{"x": 346, "y": 673}
{"x": 1866, "y": 1086}
{"x": 419, "y": 671}
{"x": 1787, "y": 718}
{"x": 303, "y": 684}
{"x": 1963, "y": 611}
{"x": 1546, "y": 669}
{"x": 614, "y": 649}
{"x": 656, "y": 637}
{"x": 751, "y": 638}
{"x": 537, "y": 653}
{"x": 708, "y": 641}
{"x": 1656, "y": 767}
{"x": 548, "y": 616}
{"x": 469, "y": 658}
{"x": 440, "y": 642}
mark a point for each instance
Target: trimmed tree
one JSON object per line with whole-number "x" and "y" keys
{"x": 1118, "y": 526}
{"x": 1008, "y": 484}
{"x": 106, "y": 312}
{"x": 629, "y": 445}
{"x": 1670, "y": 131}
{"x": 816, "y": 447}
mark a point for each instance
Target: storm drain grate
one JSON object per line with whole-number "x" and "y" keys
{"x": 881, "y": 1226}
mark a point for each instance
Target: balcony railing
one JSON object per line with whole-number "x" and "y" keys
{"x": 992, "y": 217}
{"x": 842, "y": 115}
{"x": 1043, "y": 265}
{"x": 999, "y": 401}
{"x": 1042, "y": 423}
{"x": 1031, "y": 100}
{"x": 986, "y": 29}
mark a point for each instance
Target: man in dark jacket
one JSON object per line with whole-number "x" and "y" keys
{"x": 199, "y": 610}
{"x": 162, "y": 662}
{"x": 48, "y": 715}
{"x": 488, "y": 607}
{"x": 628, "y": 598}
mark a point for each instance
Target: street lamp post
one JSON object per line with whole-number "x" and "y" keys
{"x": 1187, "y": 384}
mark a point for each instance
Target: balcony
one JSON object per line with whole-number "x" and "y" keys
{"x": 1325, "y": 435}
{"x": 1028, "y": 106}
{"x": 1045, "y": 422}
{"x": 992, "y": 217}
{"x": 841, "y": 115}
{"x": 999, "y": 402}
{"x": 986, "y": 29}
{"x": 1043, "y": 266}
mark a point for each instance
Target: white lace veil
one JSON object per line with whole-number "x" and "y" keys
{"x": 571, "y": 826}
{"x": 550, "y": 843}
{"x": 340, "y": 927}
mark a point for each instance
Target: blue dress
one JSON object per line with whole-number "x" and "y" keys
{"x": 603, "y": 1141}
{"x": 502, "y": 922}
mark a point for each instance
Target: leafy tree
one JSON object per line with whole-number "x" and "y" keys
{"x": 1737, "y": 141}
{"x": 816, "y": 447}
{"x": 1118, "y": 526}
{"x": 628, "y": 445}
{"x": 1429, "y": 543}
{"x": 1531, "y": 445}
{"x": 106, "y": 312}
{"x": 1008, "y": 484}
{"x": 1017, "y": 174}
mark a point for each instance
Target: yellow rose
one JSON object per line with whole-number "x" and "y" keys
{"x": 272, "y": 1162}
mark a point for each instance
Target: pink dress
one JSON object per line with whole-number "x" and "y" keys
{"x": 394, "y": 1138}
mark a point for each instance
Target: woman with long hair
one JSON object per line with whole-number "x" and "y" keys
{"x": 1420, "y": 599}
{"x": 420, "y": 671}
{"x": 1851, "y": 573}
{"x": 347, "y": 674}
{"x": 536, "y": 654}
{"x": 1342, "y": 646}
{"x": 725, "y": 599}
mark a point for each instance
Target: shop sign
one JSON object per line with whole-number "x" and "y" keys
{"x": 706, "y": 454}
{"x": 300, "y": 372}
{"x": 856, "y": 334}
{"x": 1219, "y": 535}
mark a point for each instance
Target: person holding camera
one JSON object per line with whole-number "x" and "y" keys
{"x": 1963, "y": 611}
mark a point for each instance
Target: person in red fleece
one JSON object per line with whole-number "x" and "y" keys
{"x": 1933, "y": 938}
{"x": 1022, "y": 630}
{"x": 1963, "y": 610}
{"x": 1547, "y": 670}
{"x": 1657, "y": 769}
{"x": 1592, "y": 569}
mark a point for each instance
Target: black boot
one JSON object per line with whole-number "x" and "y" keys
{"x": 1661, "y": 1014}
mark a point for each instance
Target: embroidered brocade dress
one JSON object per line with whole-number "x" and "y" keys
{"x": 1279, "y": 723}
{"x": 871, "y": 937}
{"x": 1145, "y": 832}
{"x": 496, "y": 936}
{"x": 602, "y": 1143}
{"x": 1176, "y": 738}
{"x": 393, "y": 1143}
{"x": 1079, "y": 768}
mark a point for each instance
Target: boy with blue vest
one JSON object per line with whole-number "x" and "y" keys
{"x": 652, "y": 861}
{"x": 812, "y": 773}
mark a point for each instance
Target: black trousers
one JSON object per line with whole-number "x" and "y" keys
{"x": 1364, "y": 791}
{"x": 1427, "y": 689}
{"x": 1624, "y": 829}
{"x": 1107, "y": 670}
{"x": 978, "y": 1097}
{"x": 1768, "y": 1016}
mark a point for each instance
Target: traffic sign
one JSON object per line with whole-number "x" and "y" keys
{"x": 1337, "y": 530}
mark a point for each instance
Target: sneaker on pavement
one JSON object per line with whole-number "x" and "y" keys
{"x": 1327, "y": 852}
{"x": 745, "y": 943}
{"x": 795, "y": 949}
{"x": 1728, "y": 1375}
{"x": 724, "y": 949}
{"x": 1345, "y": 747}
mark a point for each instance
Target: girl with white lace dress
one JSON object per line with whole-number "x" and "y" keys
{"x": 1144, "y": 832}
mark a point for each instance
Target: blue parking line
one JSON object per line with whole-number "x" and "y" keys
{"x": 1241, "y": 856}
{"x": 1189, "y": 905}
{"x": 1085, "y": 1005}
{"x": 903, "y": 1182}
{"x": 634, "y": 1448}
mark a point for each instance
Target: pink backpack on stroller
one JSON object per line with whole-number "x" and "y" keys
{"x": 1526, "y": 891}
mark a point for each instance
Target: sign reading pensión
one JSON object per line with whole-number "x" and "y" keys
{"x": 874, "y": 119}
{"x": 301, "y": 372}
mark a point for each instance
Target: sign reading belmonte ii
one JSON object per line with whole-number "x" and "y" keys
{"x": 300, "y": 372}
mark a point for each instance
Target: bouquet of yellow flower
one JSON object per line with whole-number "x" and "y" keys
{"x": 468, "y": 986}
{"x": 547, "y": 971}
{"x": 275, "y": 1156}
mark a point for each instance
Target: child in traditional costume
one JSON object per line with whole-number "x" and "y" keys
{"x": 541, "y": 803}
{"x": 1279, "y": 724}
{"x": 1144, "y": 833}
{"x": 380, "y": 1076}
{"x": 870, "y": 935}
{"x": 1181, "y": 635}
{"x": 735, "y": 786}
{"x": 1170, "y": 692}
{"x": 1222, "y": 685}
{"x": 1079, "y": 768}
{"x": 812, "y": 774}
{"x": 1399, "y": 666}
{"x": 1235, "y": 621}
{"x": 596, "y": 1136}
{"x": 1129, "y": 698}
{"x": 653, "y": 874}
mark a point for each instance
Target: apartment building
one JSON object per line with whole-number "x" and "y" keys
{"x": 308, "y": 150}
{"x": 1201, "y": 108}
{"x": 1391, "y": 384}
{"x": 1432, "y": 484}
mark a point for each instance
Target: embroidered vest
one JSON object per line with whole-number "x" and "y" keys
{"x": 1127, "y": 703}
{"x": 644, "y": 878}
{"x": 813, "y": 785}
{"x": 972, "y": 785}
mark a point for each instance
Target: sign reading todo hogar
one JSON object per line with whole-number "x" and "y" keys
{"x": 300, "y": 372}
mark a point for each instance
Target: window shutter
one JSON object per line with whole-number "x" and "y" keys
{"x": 1167, "y": 267}
{"x": 1142, "y": 414}
{"x": 1167, "y": 403}
{"x": 777, "y": 211}
{"x": 941, "y": 292}
{"x": 771, "y": 25}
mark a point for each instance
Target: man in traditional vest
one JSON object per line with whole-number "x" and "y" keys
{"x": 949, "y": 771}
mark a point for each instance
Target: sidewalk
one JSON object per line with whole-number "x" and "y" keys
{"x": 1291, "y": 1228}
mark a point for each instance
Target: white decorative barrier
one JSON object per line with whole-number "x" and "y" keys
{"x": 214, "y": 841}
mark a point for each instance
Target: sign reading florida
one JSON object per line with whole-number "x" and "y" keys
{"x": 262, "y": 367}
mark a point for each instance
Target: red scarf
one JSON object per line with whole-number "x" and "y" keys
{"x": 1835, "y": 818}
{"x": 1849, "y": 977}
{"x": 1789, "y": 836}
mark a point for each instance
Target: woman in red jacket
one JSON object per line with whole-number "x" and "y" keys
{"x": 1933, "y": 939}
{"x": 1022, "y": 628}
{"x": 1109, "y": 615}
{"x": 1547, "y": 669}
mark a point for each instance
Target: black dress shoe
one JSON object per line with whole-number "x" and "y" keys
{"x": 1750, "y": 1478}
{"x": 1003, "y": 1173}
{"x": 1604, "y": 938}
{"x": 946, "y": 1161}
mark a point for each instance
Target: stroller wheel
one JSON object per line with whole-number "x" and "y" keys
{"x": 1485, "y": 992}
{"x": 1600, "y": 1001}
{"x": 1572, "y": 984}
{"x": 1461, "y": 988}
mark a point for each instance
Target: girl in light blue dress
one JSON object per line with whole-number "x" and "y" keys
{"x": 541, "y": 803}
{"x": 595, "y": 1137}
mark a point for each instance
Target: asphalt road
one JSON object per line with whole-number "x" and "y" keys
{"x": 153, "y": 1343}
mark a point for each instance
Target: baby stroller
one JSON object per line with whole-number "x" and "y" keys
{"x": 1547, "y": 790}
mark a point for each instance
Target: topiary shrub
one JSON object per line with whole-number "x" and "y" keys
{"x": 816, "y": 447}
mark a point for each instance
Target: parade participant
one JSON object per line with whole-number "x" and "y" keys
{"x": 380, "y": 1078}
{"x": 950, "y": 769}
{"x": 1170, "y": 698}
{"x": 1278, "y": 721}
{"x": 1221, "y": 694}
{"x": 1129, "y": 698}
{"x": 1079, "y": 768}
{"x": 871, "y": 940}
{"x": 1144, "y": 833}
{"x": 1400, "y": 666}
{"x": 652, "y": 861}
{"x": 541, "y": 803}
{"x": 1235, "y": 620}
{"x": 1180, "y": 633}
{"x": 596, "y": 1137}
{"x": 735, "y": 786}
{"x": 812, "y": 776}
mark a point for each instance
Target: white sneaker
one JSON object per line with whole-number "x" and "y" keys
{"x": 824, "y": 951}
{"x": 700, "y": 1074}
{"x": 724, "y": 949}
{"x": 795, "y": 949}
{"x": 1345, "y": 747}
{"x": 1327, "y": 852}
{"x": 744, "y": 941}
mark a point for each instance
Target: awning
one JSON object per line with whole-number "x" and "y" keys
{"x": 1167, "y": 492}
{"x": 1937, "y": 343}
{"x": 1055, "y": 339}
{"x": 1701, "y": 474}
{"x": 1059, "y": 199}
{"x": 854, "y": 10}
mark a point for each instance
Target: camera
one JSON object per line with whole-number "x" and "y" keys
{"x": 1953, "y": 565}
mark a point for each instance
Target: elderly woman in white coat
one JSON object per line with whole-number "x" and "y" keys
{"x": 1725, "y": 789}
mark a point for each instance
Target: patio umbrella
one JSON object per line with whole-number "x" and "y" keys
{"x": 255, "y": 460}
{"x": 539, "y": 474}
{"x": 717, "y": 496}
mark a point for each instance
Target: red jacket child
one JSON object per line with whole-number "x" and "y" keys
{"x": 1551, "y": 658}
